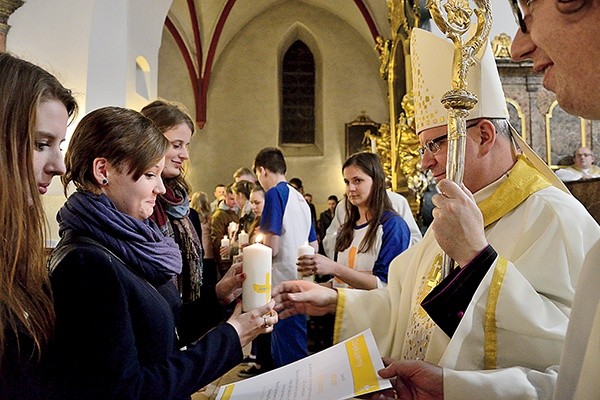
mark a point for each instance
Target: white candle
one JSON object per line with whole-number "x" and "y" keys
{"x": 232, "y": 229}
{"x": 242, "y": 238}
{"x": 306, "y": 250}
{"x": 256, "y": 288}
{"x": 225, "y": 243}
{"x": 373, "y": 146}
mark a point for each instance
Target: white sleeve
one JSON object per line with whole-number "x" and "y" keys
{"x": 499, "y": 384}
{"x": 331, "y": 233}
{"x": 401, "y": 206}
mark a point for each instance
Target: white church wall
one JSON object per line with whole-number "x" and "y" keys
{"x": 91, "y": 46}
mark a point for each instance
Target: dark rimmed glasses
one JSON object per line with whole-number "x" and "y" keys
{"x": 434, "y": 145}
{"x": 519, "y": 14}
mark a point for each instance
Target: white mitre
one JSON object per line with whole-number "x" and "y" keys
{"x": 431, "y": 58}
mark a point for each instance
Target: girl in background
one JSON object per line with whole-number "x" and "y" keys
{"x": 372, "y": 235}
{"x": 257, "y": 203}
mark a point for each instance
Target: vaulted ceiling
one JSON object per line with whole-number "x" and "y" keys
{"x": 203, "y": 28}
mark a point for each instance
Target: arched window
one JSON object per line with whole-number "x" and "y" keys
{"x": 298, "y": 95}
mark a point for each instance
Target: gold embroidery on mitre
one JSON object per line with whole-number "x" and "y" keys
{"x": 421, "y": 326}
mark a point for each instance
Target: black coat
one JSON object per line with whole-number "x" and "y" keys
{"x": 118, "y": 337}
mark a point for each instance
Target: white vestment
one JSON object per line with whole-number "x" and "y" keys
{"x": 509, "y": 341}
{"x": 569, "y": 174}
{"x": 580, "y": 363}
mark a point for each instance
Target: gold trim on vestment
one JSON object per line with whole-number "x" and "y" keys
{"x": 490, "y": 337}
{"x": 522, "y": 181}
{"x": 339, "y": 315}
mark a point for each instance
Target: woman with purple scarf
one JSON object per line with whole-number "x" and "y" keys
{"x": 121, "y": 329}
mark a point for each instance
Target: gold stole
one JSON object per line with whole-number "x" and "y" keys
{"x": 521, "y": 182}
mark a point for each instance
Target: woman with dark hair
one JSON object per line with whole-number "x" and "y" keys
{"x": 122, "y": 331}
{"x": 257, "y": 204}
{"x": 242, "y": 190}
{"x": 172, "y": 211}
{"x": 372, "y": 235}
{"x": 35, "y": 110}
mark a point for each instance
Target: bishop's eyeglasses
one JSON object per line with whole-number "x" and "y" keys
{"x": 434, "y": 145}
{"x": 519, "y": 13}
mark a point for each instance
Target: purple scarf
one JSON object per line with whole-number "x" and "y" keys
{"x": 138, "y": 243}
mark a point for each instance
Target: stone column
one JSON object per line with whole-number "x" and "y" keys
{"x": 7, "y": 7}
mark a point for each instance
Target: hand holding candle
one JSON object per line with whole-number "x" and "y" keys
{"x": 225, "y": 244}
{"x": 232, "y": 229}
{"x": 242, "y": 239}
{"x": 305, "y": 250}
{"x": 256, "y": 289}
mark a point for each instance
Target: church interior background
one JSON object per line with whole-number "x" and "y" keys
{"x": 225, "y": 60}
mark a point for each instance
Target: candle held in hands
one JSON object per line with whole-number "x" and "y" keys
{"x": 306, "y": 250}
{"x": 256, "y": 288}
{"x": 225, "y": 243}
{"x": 242, "y": 238}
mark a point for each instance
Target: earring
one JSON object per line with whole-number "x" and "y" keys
{"x": 104, "y": 181}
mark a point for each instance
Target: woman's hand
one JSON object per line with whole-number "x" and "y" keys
{"x": 230, "y": 286}
{"x": 303, "y": 297}
{"x": 252, "y": 323}
{"x": 316, "y": 264}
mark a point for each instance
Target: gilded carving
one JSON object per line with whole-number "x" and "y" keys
{"x": 383, "y": 47}
{"x": 501, "y": 46}
{"x": 403, "y": 16}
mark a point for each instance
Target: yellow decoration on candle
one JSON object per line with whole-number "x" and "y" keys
{"x": 266, "y": 288}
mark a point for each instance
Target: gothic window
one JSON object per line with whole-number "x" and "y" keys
{"x": 298, "y": 95}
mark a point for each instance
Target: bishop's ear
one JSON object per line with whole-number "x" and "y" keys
{"x": 487, "y": 136}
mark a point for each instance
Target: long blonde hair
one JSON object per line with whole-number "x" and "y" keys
{"x": 26, "y": 306}
{"x": 199, "y": 202}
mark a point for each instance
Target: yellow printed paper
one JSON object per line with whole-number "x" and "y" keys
{"x": 343, "y": 371}
{"x": 363, "y": 371}
{"x": 227, "y": 392}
